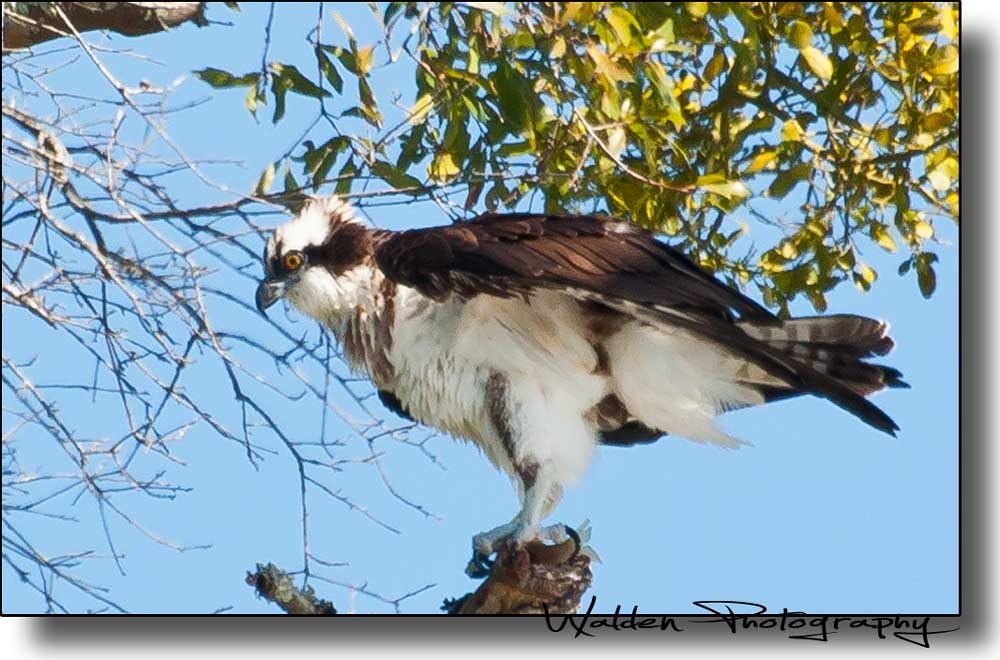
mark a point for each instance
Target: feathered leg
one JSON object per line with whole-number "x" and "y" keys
{"x": 521, "y": 421}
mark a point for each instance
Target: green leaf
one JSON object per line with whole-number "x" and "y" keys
{"x": 369, "y": 108}
{"x": 319, "y": 161}
{"x": 622, "y": 22}
{"x": 788, "y": 179}
{"x": 279, "y": 88}
{"x": 346, "y": 177}
{"x": 926, "y": 278}
{"x": 412, "y": 149}
{"x": 329, "y": 70}
{"x": 293, "y": 80}
{"x": 222, "y": 79}
{"x": 394, "y": 177}
{"x": 662, "y": 38}
{"x": 291, "y": 185}
{"x": 391, "y": 11}
{"x": 514, "y": 96}
{"x": 728, "y": 189}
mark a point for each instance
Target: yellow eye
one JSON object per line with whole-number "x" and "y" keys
{"x": 293, "y": 260}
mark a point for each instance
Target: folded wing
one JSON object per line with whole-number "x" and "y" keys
{"x": 618, "y": 266}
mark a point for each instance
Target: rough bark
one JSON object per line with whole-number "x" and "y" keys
{"x": 277, "y": 586}
{"x": 532, "y": 579}
{"x": 529, "y": 580}
{"x": 27, "y": 24}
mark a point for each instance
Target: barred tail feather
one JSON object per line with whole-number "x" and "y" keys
{"x": 835, "y": 345}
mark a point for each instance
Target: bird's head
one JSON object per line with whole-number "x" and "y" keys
{"x": 313, "y": 259}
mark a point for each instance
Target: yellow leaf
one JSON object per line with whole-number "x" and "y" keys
{"x": 728, "y": 189}
{"x": 833, "y": 18}
{"x": 714, "y": 66}
{"x": 946, "y": 61}
{"x": 760, "y": 161}
{"x": 884, "y": 239}
{"x": 607, "y": 66}
{"x": 939, "y": 180}
{"x": 818, "y": 62}
{"x": 800, "y": 35}
{"x": 943, "y": 174}
{"x": 923, "y": 229}
{"x": 344, "y": 25}
{"x": 558, "y": 48}
{"x": 264, "y": 183}
{"x": 867, "y": 274}
{"x": 364, "y": 59}
{"x": 697, "y": 9}
{"x": 952, "y": 201}
{"x": 884, "y": 137}
{"x": 791, "y": 131}
{"x": 443, "y": 167}
{"x": 922, "y": 141}
{"x": 569, "y": 12}
{"x": 495, "y": 8}
{"x": 616, "y": 141}
{"x": 421, "y": 109}
{"x": 935, "y": 121}
{"x": 788, "y": 251}
{"x": 948, "y": 27}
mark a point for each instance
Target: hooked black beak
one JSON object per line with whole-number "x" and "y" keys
{"x": 268, "y": 293}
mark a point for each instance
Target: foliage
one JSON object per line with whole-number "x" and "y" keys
{"x": 775, "y": 142}
{"x": 680, "y": 116}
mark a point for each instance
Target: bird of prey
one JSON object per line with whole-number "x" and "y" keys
{"x": 538, "y": 337}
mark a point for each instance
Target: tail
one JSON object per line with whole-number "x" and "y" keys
{"x": 835, "y": 346}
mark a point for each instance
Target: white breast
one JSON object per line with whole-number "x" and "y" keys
{"x": 444, "y": 353}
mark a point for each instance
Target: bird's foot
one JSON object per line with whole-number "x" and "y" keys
{"x": 518, "y": 534}
{"x": 584, "y": 532}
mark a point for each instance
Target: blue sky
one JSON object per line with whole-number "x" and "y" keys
{"x": 821, "y": 514}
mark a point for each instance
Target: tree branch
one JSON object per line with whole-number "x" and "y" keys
{"x": 30, "y": 23}
{"x": 529, "y": 580}
{"x": 278, "y": 587}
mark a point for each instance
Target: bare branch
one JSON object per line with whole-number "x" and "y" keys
{"x": 28, "y": 24}
{"x": 276, "y": 586}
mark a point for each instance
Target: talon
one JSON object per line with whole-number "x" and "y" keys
{"x": 479, "y": 566}
{"x": 577, "y": 543}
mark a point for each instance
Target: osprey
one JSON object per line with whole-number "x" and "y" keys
{"x": 538, "y": 337}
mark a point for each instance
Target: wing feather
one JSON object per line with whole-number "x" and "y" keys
{"x": 609, "y": 262}
{"x": 591, "y": 252}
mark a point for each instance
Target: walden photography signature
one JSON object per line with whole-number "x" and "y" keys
{"x": 739, "y": 617}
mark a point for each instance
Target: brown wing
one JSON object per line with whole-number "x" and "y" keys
{"x": 504, "y": 254}
{"x": 614, "y": 264}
